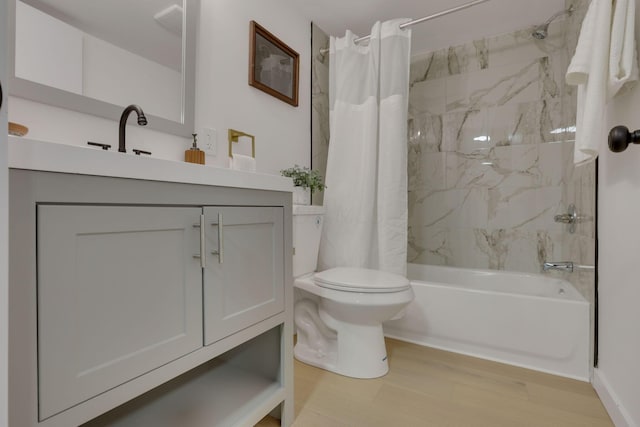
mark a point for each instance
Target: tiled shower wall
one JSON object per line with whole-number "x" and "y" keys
{"x": 490, "y": 153}
{"x": 319, "y": 104}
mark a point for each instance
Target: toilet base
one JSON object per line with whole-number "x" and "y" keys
{"x": 341, "y": 331}
{"x": 357, "y": 352}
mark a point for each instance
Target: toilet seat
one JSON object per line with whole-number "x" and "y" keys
{"x": 360, "y": 280}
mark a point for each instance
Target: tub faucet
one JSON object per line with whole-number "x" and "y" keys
{"x": 558, "y": 265}
{"x": 142, "y": 121}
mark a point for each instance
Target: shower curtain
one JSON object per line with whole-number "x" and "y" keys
{"x": 366, "y": 196}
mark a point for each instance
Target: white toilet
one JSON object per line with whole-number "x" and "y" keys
{"x": 339, "y": 312}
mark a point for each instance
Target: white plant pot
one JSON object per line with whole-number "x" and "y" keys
{"x": 301, "y": 196}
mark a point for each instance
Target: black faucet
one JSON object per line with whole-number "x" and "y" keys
{"x": 142, "y": 121}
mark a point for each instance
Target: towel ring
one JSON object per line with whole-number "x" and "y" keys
{"x": 233, "y": 137}
{"x": 620, "y": 138}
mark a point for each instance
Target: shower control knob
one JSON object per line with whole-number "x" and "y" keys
{"x": 620, "y": 138}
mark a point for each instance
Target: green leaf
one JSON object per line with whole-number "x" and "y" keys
{"x": 305, "y": 178}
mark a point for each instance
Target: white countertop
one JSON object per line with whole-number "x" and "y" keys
{"x": 47, "y": 156}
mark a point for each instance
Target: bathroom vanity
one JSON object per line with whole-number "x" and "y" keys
{"x": 146, "y": 292}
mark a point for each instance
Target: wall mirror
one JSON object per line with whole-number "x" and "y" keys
{"x": 97, "y": 57}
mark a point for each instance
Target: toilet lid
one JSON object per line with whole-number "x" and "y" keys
{"x": 360, "y": 280}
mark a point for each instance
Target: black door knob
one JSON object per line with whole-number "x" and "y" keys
{"x": 620, "y": 138}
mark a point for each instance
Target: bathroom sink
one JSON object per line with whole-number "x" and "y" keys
{"x": 47, "y": 156}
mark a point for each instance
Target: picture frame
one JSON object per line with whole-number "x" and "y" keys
{"x": 273, "y": 66}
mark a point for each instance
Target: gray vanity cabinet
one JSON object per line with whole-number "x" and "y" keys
{"x": 119, "y": 294}
{"x": 147, "y": 303}
{"x": 243, "y": 273}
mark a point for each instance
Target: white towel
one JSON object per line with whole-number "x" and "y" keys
{"x": 604, "y": 61}
{"x": 623, "y": 62}
{"x": 243, "y": 163}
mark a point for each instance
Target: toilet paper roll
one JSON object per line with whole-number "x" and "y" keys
{"x": 243, "y": 163}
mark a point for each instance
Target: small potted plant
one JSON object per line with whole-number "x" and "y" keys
{"x": 305, "y": 182}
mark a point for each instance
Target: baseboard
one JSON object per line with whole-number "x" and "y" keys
{"x": 617, "y": 412}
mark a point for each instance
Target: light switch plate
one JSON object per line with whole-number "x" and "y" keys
{"x": 208, "y": 140}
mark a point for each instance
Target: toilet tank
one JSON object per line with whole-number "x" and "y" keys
{"x": 307, "y": 228}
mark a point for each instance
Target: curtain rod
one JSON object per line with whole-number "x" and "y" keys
{"x": 421, "y": 20}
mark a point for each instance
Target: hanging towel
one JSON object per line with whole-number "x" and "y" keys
{"x": 242, "y": 163}
{"x": 623, "y": 62}
{"x": 605, "y": 60}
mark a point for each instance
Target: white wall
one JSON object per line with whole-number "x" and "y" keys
{"x": 225, "y": 100}
{"x": 617, "y": 378}
{"x": 618, "y": 373}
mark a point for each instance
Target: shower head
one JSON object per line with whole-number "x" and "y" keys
{"x": 541, "y": 31}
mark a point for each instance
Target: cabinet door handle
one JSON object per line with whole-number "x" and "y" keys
{"x": 203, "y": 249}
{"x": 220, "y": 250}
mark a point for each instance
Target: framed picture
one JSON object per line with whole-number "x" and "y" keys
{"x": 273, "y": 66}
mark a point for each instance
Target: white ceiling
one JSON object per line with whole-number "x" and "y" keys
{"x": 485, "y": 19}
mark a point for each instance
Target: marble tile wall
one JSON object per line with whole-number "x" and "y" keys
{"x": 319, "y": 104}
{"x": 580, "y": 189}
{"x": 490, "y": 153}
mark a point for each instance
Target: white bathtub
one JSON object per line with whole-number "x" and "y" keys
{"x": 522, "y": 319}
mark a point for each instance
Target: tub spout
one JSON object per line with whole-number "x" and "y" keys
{"x": 558, "y": 265}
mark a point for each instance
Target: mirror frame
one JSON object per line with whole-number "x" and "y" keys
{"x": 33, "y": 91}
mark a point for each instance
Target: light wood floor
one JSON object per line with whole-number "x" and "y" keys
{"x": 427, "y": 387}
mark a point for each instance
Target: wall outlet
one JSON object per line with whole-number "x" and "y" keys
{"x": 208, "y": 141}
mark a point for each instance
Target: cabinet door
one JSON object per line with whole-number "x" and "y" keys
{"x": 119, "y": 294}
{"x": 245, "y": 283}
